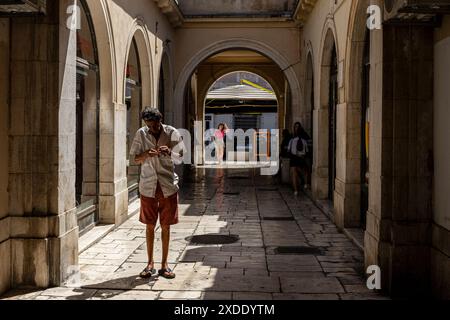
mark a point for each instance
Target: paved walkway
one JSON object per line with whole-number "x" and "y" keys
{"x": 264, "y": 214}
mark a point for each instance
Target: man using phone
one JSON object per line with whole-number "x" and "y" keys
{"x": 157, "y": 148}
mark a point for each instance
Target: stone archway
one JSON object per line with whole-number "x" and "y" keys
{"x": 138, "y": 41}
{"x": 321, "y": 166}
{"x": 308, "y": 114}
{"x": 349, "y": 197}
{"x": 247, "y": 44}
{"x": 279, "y": 91}
{"x": 205, "y": 86}
{"x": 99, "y": 11}
{"x": 140, "y": 35}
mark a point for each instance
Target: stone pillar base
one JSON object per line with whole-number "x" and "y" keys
{"x": 114, "y": 209}
{"x": 440, "y": 263}
{"x": 347, "y": 201}
{"x": 5, "y": 270}
{"x": 39, "y": 257}
{"x": 319, "y": 184}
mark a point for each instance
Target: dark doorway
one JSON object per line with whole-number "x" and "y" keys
{"x": 333, "y": 101}
{"x": 79, "y": 139}
{"x": 365, "y": 101}
{"x": 133, "y": 101}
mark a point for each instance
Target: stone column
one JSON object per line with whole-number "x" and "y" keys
{"x": 113, "y": 177}
{"x": 348, "y": 165}
{"x": 400, "y": 204}
{"x": 281, "y": 113}
{"x": 44, "y": 232}
{"x": 134, "y": 123}
{"x": 288, "y": 123}
{"x": 89, "y": 146}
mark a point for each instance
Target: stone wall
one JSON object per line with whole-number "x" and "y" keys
{"x": 398, "y": 235}
{"x": 440, "y": 252}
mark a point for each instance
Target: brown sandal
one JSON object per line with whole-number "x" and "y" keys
{"x": 147, "y": 273}
{"x": 166, "y": 273}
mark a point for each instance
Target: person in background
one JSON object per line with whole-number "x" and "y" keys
{"x": 219, "y": 141}
{"x": 298, "y": 148}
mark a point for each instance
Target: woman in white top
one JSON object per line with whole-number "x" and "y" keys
{"x": 219, "y": 141}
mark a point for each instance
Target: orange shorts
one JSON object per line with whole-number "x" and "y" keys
{"x": 165, "y": 208}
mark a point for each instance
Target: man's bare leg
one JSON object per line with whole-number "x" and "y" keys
{"x": 150, "y": 244}
{"x": 165, "y": 239}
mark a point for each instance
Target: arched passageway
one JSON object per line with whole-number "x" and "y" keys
{"x": 217, "y": 65}
{"x": 292, "y": 92}
{"x": 246, "y": 103}
{"x": 352, "y": 195}
{"x": 138, "y": 93}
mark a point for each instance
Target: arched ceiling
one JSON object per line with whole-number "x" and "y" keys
{"x": 237, "y": 8}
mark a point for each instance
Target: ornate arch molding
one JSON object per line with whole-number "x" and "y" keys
{"x": 101, "y": 20}
{"x": 310, "y": 73}
{"x": 327, "y": 42}
{"x": 166, "y": 63}
{"x": 223, "y": 45}
{"x": 140, "y": 33}
{"x": 354, "y": 49}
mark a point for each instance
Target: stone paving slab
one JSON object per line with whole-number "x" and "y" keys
{"x": 311, "y": 285}
{"x": 297, "y": 296}
{"x": 258, "y": 296}
{"x": 125, "y": 295}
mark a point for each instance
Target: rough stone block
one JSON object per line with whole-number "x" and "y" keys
{"x": 440, "y": 275}
{"x": 29, "y": 263}
{"x": 4, "y": 229}
{"x": 5, "y": 270}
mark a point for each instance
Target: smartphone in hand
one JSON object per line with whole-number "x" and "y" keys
{"x": 164, "y": 150}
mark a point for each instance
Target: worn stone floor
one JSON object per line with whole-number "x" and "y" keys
{"x": 263, "y": 213}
